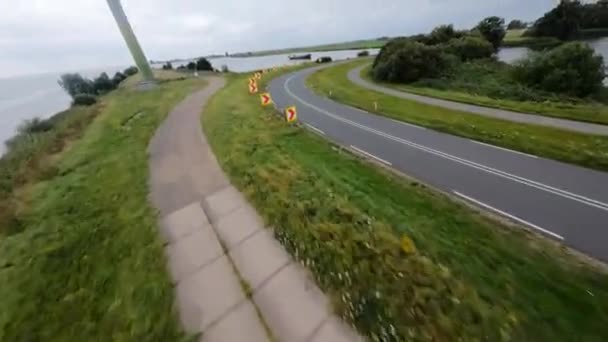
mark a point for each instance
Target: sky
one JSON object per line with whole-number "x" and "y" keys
{"x": 38, "y": 36}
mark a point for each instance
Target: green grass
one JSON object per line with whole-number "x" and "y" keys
{"x": 515, "y": 38}
{"x": 490, "y": 84}
{"x": 581, "y": 149}
{"x": 471, "y": 277}
{"x": 354, "y": 45}
{"x": 88, "y": 263}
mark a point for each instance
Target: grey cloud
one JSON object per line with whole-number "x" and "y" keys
{"x": 39, "y": 35}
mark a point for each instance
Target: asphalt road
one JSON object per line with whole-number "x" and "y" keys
{"x": 354, "y": 76}
{"x": 562, "y": 201}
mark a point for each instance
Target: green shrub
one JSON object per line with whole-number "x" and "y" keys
{"x": 168, "y": 66}
{"x": 409, "y": 61}
{"x": 118, "y": 78}
{"x": 203, "y": 64}
{"x": 103, "y": 84}
{"x": 75, "y": 84}
{"x": 35, "y": 125}
{"x": 573, "y": 68}
{"x": 84, "y": 100}
{"x": 442, "y": 34}
{"x": 469, "y": 48}
{"x": 130, "y": 71}
{"x": 191, "y": 66}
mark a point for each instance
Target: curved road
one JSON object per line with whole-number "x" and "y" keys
{"x": 354, "y": 76}
{"x": 562, "y": 201}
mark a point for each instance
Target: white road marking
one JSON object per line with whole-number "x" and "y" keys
{"x": 515, "y": 218}
{"x": 407, "y": 124}
{"x": 518, "y": 179}
{"x": 504, "y": 149}
{"x": 315, "y": 129}
{"x": 371, "y": 155}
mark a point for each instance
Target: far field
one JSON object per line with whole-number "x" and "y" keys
{"x": 353, "y": 45}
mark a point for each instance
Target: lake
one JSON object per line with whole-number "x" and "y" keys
{"x": 510, "y": 55}
{"x": 31, "y": 96}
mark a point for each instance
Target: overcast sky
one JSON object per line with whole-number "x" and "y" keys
{"x": 69, "y": 35}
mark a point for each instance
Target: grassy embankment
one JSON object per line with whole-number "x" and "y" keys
{"x": 515, "y": 38}
{"x": 571, "y": 147}
{"x": 491, "y": 84}
{"x": 354, "y": 45}
{"x": 80, "y": 257}
{"x": 458, "y": 276}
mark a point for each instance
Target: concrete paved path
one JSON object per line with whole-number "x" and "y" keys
{"x": 234, "y": 282}
{"x": 354, "y": 76}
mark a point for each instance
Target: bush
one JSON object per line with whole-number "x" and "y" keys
{"x": 442, "y": 34}
{"x": 167, "y": 66}
{"x": 469, "y": 48}
{"x": 493, "y": 30}
{"x": 203, "y": 64}
{"x": 75, "y": 84}
{"x": 35, "y": 125}
{"x": 103, "y": 84}
{"x": 516, "y": 25}
{"x": 130, "y": 71}
{"x": 409, "y": 61}
{"x": 573, "y": 69}
{"x": 118, "y": 78}
{"x": 191, "y": 66}
{"x": 84, "y": 100}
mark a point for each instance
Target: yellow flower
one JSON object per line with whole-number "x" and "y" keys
{"x": 407, "y": 245}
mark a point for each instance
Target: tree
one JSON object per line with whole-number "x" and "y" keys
{"x": 443, "y": 34}
{"x": 75, "y": 84}
{"x": 103, "y": 84}
{"x": 203, "y": 64}
{"x": 493, "y": 30}
{"x": 407, "y": 61}
{"x": 516, "y": 25}
{"x": 573, "y": 68}
{"x": 562, "y": 22}
{"x": 130, "y": 71}
{"x": 469, "y": 48}
{"x": 168, "y": 66}
{"x": 191, "y": 66}
{"x": 118, "y": 78}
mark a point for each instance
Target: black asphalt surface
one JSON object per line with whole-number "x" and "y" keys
{"x": 562, "y": 201}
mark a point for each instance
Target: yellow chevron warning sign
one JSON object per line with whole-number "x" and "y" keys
{"x": 253, "y": 88}
{"x": 291, "y": 114}
{"x": 265, "y": 99}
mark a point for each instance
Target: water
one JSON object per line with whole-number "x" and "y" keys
{"x": 511, "y": 55}
{"x": 27, "y": 97}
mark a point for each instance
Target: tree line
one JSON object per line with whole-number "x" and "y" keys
{"x": 84, "y": 91}
{"x": 570, "y": 18}
{"x": 572, "y": 68}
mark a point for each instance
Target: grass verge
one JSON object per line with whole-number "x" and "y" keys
{"x": 571, "y": 147}
{"x": 490, "y": 84}
{"x": 88, "y": 264}
{"x": 401, "y": 262}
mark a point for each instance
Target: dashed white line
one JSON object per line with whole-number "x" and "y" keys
{"x": 371, "y": 155}
{"x": 315, "y": 129}
{"x": 504, "y": 149}
{"x": 484, "y": 168}
{"x": 512, "y": 217}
